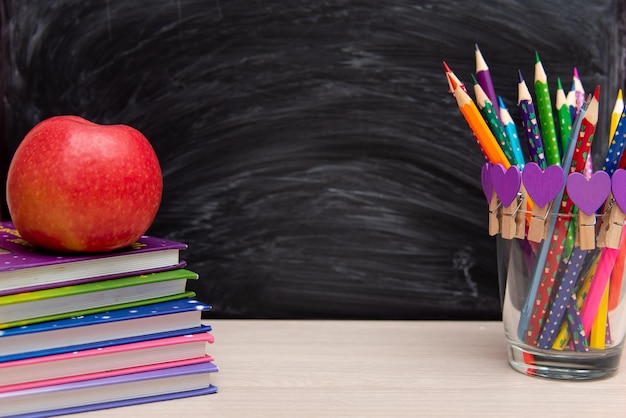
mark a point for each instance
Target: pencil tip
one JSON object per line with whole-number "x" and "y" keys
{"x": 501, "y": 102}
{"x": 576, "y": 72}
{"x": 559, "y": 86}
{"x": 596, "y": 93}
{"x": 520, "y": 77}
{"x": 446, "y": 68}
{"x": 452, "y": 81}
{"x": 537, "y": 57}
{"x": 474, "y": 79}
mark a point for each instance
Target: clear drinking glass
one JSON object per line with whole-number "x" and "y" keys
{"x": 563, "y": 307}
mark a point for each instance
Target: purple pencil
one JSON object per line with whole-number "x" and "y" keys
{"x": 569, "y": 270}
{"x": 483, "y": 76}
{"x": 579, "y": 340}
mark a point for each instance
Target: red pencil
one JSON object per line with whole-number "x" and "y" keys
{"x": 548, "y": 282}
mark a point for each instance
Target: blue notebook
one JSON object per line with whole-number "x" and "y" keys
{"x": 152, "y": 321}
{"x": 110, "y": 392}
{"x": 106, "y": 343}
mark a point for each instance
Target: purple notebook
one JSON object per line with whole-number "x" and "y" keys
{"x": 26, "y": 268}
{"x": 110, "y": 392}
{"x": 117, "y": 404}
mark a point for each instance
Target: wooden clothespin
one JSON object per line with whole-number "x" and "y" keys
{"x": 538, "y": 225}
{"x": 494, "y": 214}
{"x": 588, "y": 194}
{"x": 513, "y": 220}
{"x": 604, "y": 222}
{"x": 613, "y": 222}
{"x": 612, "y": 225}
{"x": 506, "y": 183}
{"x": 586, "y": 236}
{"x": 492, "y": 199}
{"x": 520, "y": 216}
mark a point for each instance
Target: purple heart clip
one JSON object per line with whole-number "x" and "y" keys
{"x": 542, "y": 185}
{"x": 589, "y": 193}
{"x": 485, "y": 180}
{"x": 506, "y": 183}
{"x": 618, "y": 186}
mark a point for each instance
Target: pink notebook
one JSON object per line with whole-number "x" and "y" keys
{"x": 108, "y": 373}
{"x": 105, "y": 361}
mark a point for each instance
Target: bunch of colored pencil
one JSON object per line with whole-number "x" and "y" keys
{"x": 551, "y": 200}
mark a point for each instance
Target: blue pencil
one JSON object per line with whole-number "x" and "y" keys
{"x": 511, "y": 133}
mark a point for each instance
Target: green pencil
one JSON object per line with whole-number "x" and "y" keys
{"x": 565, "y": 118}
{"x": 489, "y": 114}
{"x": 546, "y": 118}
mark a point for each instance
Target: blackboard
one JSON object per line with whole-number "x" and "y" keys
{"x": 313, "y": 159}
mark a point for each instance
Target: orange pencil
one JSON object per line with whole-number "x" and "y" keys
{"x": 452, "y": 76}
{"x": 485, "y": 138}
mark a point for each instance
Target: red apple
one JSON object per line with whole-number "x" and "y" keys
{"x": 74, "y": 185}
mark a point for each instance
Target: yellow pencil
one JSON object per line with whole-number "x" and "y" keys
{"x": 616, "y": 114}
{"x": 597, "y": 339}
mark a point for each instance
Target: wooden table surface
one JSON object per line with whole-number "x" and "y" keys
{"x": 297, "y": 368}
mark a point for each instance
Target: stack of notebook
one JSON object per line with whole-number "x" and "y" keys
{"x": 86, "y": 332}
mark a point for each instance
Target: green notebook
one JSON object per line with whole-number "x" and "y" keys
{"x": 69, "y": 301}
